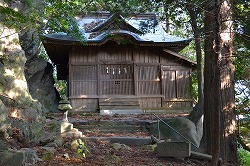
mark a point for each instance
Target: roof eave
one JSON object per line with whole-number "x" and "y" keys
{"x": 68, "y": 40}
{"x": 193, "y": 63}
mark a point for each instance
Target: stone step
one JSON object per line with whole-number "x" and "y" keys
{"x": 128, "y": 126}
{"x": 123, "y": 140}
{"x": 119, "y": 107}
{"x": 111, "y": 122}
{"x": 122, "y": 110}
{"x": 107, "y": 127}
{"x": 131, "y": 127}
{"x": 113, "y": 131}
{"x": 119, "y": 104}
{"x": 113, "y": 100}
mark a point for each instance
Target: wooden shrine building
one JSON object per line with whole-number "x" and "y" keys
{"x": 123, "y": 64}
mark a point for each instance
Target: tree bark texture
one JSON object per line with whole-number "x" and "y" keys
{"x": 219, "y": 108}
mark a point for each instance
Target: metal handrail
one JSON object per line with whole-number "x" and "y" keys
{"x": 175, "y": 130}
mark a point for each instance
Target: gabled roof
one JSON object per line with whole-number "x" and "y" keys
{"x": 105, "y": 26}
{"x": 114, "y": 22}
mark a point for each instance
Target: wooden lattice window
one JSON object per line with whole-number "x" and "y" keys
{"x": 116, "y": 80}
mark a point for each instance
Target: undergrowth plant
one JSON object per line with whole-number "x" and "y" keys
{"x": 82, "y": 149}
{"x": 244, "y": 157}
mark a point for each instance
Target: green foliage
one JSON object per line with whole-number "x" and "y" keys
{"x": 242, "y": 23}
{"x": 29, "y": 3}
{"x": 120, "y": 6}
{"x": 52, "y": 16}
{"x": 60, "y": 17}
{"x": 43, "y": 54}
{"x": 61, "y": 86}
{"x": 12, "y": 18}
{"x": 189, "y": 51}
{"x": 244, "y": 157}
{"x": 114, "y": 159}
{"x": 242, "y": 59}
{"x": 194, "y": 88}
{"x": 145, "y": 26}
{"x": 242, "y": 64}
{"x": 245, "y": 130}
{"x": 242, "y": 38}
{"x": 178, "y": 16}
{"x": 82, "y": 149}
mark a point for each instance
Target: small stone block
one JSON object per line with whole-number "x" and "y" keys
{"x": 174, "y": 149}
{"x": 72, "y": 134}
{"x": 66, "y": 126}
{"x": 74, "y": 130}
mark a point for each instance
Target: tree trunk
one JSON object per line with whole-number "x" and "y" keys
{"x": 219, "y": 111}
{"x": 193, "y": 12}
{"x": 197, "y": 116}
{"x": 211, "y": 85}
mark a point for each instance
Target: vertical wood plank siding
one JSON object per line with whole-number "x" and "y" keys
{"x": 149, "y": 80}
{"x": 89, "y": 105}
{"x": 183, "y": 84}
{"x": 176, "y": 82}
{"x": 150, "y": 102}
{"x": 80, "y": 55}
{"x": 169, "y": 82}
{"x": 114, "y": 53}
{"x": 83, "y": 80}
{"x": 144, "y": 55}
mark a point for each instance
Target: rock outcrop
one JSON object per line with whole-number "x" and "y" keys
{"x": 38, "y": 72}
{"x": 182, "y": 125}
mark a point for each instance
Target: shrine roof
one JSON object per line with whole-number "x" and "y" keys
{"x": 98, "y": 28}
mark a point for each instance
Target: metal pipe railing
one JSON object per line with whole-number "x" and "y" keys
{"x": 177, "y": 132}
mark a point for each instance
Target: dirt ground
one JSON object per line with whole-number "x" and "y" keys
{"x": 102, "y": 153}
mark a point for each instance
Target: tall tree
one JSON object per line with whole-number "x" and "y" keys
{"x": 195, "y": 11}
{"x": 189, "y": 16}
{"x": 219, "y": 70}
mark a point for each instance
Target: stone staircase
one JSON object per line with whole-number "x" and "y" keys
{"x": 124, "y": 131}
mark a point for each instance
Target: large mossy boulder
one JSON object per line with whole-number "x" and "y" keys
{"x": 20, "y": 113}
{"x": 182, "y": 125}
{"x": 38, "y": 72}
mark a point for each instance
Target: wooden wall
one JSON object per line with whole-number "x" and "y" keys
{"x": 156, "y": 78}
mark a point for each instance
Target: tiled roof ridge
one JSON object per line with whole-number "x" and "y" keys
{"x": 102, "y": 24}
